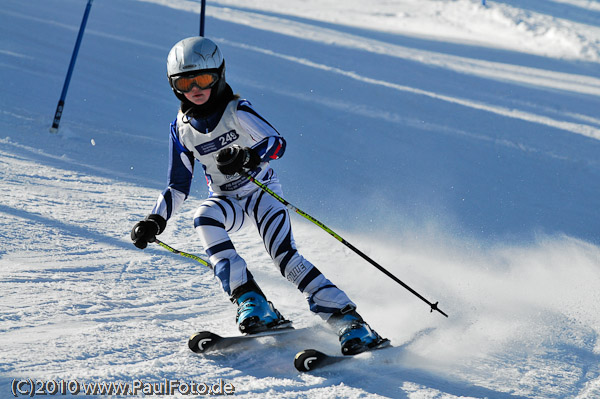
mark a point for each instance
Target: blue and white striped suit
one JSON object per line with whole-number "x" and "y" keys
{"x": 235, "y": 202}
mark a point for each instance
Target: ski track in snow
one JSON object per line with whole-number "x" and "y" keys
{"x": 80, "y": 302}
{"x": 486, "y": 69}
{"x": 95, "y": 309}
{"x": 559, "y": 81}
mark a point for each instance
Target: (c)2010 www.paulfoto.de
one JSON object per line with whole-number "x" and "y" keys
{"x": 36, "y": 387}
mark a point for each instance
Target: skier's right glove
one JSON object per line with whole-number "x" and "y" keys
{"x": 146, "y": 230}
{"x": 235, "y": 159}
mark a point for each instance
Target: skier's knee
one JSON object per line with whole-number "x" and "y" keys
{"x": 209, "y": 216}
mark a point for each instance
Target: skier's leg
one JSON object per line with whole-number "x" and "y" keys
{"x": 324, "y": 298}
{"x": 272, "y": 220}
{"x": 214, "y": 219}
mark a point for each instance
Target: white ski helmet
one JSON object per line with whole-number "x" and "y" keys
{"x": 192, "y": 55}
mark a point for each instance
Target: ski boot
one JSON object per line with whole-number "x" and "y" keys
{"x": 255, "y": 314}
{"x": 355, "y": 334}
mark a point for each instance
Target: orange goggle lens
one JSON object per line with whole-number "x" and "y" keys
{"x": 202, "y": 81}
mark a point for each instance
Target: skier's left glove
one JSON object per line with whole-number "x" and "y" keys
{"x": 146, "y": 230}
{"x": 234, "y": 159}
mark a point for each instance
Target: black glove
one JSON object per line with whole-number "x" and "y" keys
{"x": 146, "y": 230}
{"x": 234, "y": 159}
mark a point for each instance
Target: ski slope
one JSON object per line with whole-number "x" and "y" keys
{"x": 456, "y": 144}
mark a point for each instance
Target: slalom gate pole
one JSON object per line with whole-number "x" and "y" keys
{"x": 202, "y": 14}
{"x": 433, "y": 306}
{"x": 63, "y": 95}
{"x": 184, "y": 254}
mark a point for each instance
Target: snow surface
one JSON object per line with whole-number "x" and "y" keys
{"x": 456, "y": 144}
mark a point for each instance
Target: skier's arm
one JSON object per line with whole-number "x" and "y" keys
{"x": 270, "y": 144}
{"x": 181, "y": 169}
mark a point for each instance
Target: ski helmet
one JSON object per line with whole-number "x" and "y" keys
{"x": 192, "y": 55}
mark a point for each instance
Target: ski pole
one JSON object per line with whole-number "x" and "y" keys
{"x": 434, "y": 306}
{"x": 184, "y": 254}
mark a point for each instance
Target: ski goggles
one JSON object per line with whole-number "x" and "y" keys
{"x": 204, "y": 80}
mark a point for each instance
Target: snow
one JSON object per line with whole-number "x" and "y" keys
{"x": 454, "y": 143}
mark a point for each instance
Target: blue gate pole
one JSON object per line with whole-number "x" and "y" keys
{"x": 202, "y": 13}
{"x": 63, "y": 95}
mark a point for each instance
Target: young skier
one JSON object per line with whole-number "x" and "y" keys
{"x": 227, "y": 136}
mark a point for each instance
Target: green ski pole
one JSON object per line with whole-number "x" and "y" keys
{"x": 184, "y": 254}
{"x": 433, "y": 306}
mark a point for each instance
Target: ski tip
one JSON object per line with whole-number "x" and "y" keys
{"x": 200, "y": 341}
{"x": 307, "y": 359}
{"x": 310, "y": 359}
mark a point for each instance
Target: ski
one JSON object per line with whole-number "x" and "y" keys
{"x": 206, "y": 341}
{"x": 311, "y": 359}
